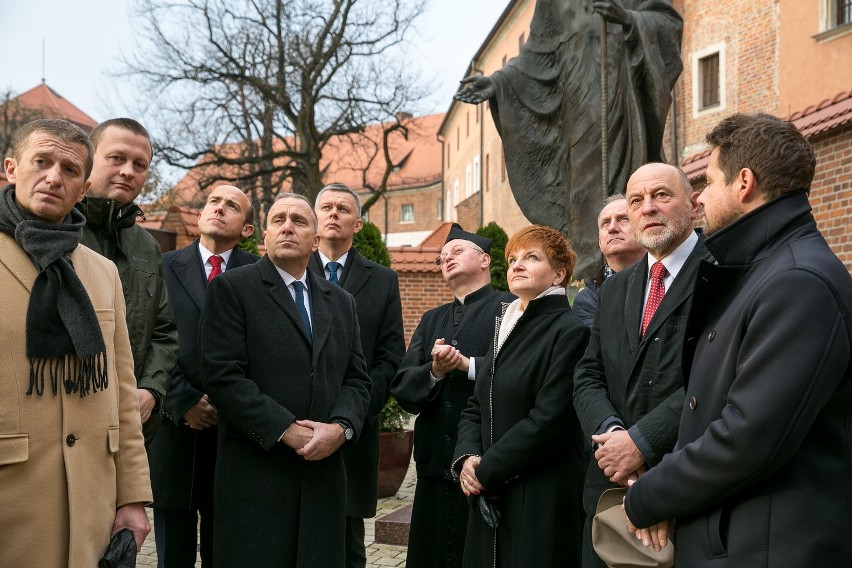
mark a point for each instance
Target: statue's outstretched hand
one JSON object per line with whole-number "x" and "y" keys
{"x": 613, "y": 11}
{"x": 475, "y": 90}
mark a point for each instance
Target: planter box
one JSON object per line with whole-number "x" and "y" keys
{"x": 394, "y": 456}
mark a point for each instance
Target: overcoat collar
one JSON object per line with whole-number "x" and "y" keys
{"x": 187, "y": 266}
{"x": 681, "y": 290}
{"x": 758, "y": 233}
{"x": 321, "y": 303}
{"x": 356, "y": 271}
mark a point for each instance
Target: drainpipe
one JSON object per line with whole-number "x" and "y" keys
{"x": 481, "y": 111}
{"x": 675, "y": 160}
{"x": 441, "y": 139}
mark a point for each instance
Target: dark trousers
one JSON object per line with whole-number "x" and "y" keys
{"x": 590, "y": 558}
{"x": 438, "y": 525}
{"x": 356, "y": 552}
{"x": 175, "y": 533}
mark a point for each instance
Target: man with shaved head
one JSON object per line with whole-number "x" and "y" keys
{"x": 628, "y": 388}
{"x": 183, "y": 454}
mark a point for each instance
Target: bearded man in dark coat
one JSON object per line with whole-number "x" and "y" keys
{"x": 435, "y": 380}
{"x": 760, "y": 474}
{"x": 546, "y": 106}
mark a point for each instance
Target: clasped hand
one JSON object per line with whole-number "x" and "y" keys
{"x": 313, "y": 441}
{"x": 467, "y": 479}
{"x": 446, "y": 358}
{"x": 618, "y": 456}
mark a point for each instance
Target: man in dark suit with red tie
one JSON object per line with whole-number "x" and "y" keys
{"x": 183, "y": 453}
{"x": 376, "y": 292}
{"x": 282, "y": 363}
{"x": 628, "y": 387}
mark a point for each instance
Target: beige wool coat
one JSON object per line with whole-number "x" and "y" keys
{"x": 66, "y": 462}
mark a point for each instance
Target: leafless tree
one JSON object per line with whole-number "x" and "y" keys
{"x": 251, "y": 91}
{"x": 12, "y": 116}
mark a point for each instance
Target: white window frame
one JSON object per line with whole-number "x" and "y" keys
{"x": 402, "y": 216}
{"x": 697, "y": 56}
{"x": 828, "y": 29}
{"x": 477, "y": 174}
{"x": 468, "y": 182}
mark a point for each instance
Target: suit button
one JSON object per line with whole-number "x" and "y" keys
{"x": 650, "y": 383}
{"x": 70, "y": 440}
{"x": 447, "y": 437}
{"x": 454, "y": 342}
{"x": 693, "y": 402}
{"x": 656, "y": 339}
{"x": 448, "y": 404}
{"x": 711, "y": 336}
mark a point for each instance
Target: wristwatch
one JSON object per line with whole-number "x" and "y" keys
{"x": 348, "y": 432}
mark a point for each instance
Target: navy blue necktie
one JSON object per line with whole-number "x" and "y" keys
{"x": 298, "y": 287}
{"x": 333, "y": 267}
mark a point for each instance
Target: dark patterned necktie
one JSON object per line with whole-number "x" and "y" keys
{"x": 333, "y": 267}
{"x": 216, "y": 262}
{"x": 299, "y": 288}
{"x": 655, "y": 296}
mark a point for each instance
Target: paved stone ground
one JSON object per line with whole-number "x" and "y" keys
{"x": 378, "y": 555}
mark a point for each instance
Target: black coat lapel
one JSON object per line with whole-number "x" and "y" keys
{"x": 186, "y": 265}
{"x": 355, "y": 273}
{"x": 280, "y": 294}
{"x": 322, "y": 311}
{"x": 633, "y": 301}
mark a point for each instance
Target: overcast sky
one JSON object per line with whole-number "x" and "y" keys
{"x": 85, "y": 40}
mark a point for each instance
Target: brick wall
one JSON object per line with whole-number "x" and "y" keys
{"x": 420, "y": 292}
{"x": 425, "y": 202}
{"x": 468, "y": 212}
{"x": 749, "y": 30}
{"x": 831, "y": 192}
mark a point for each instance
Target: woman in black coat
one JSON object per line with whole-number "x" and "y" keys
{"x": 520, "y": 446}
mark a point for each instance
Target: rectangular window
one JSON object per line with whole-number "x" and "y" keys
{"x": 844, "y": 12}
{"x": 709, "y": 80}
{"x": 440, "y": 210}
{"x": 365, "y": 216}
{"x": 406, "y": 213}
{"x": 467, "y": 182}
{"x": 467, "y": 124}
{"x": 487, "y": 169}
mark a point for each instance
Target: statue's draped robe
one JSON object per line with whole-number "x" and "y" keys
{"x": 547, "y": 110}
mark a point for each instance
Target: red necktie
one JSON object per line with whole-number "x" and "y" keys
{"x": 216, "y": 262}
{"x": 655, "y": 296}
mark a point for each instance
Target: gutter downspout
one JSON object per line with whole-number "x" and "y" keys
{"x": 480, "y": 110}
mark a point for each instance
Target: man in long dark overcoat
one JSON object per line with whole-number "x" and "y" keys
{"x": 376, "y": 292}
{"x": 282, "y": 363}
{"x": 628, "y": 388}
{"x": 183, "y": 453}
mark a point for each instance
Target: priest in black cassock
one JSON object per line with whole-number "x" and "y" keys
{"x": 434, "y": 381}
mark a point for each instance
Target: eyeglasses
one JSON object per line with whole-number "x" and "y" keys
{"x": 454, "y": 252}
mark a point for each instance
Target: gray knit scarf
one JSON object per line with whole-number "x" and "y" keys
{"x": 64, "y": 339}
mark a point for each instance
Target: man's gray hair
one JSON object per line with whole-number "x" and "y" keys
{"x": 343, "y": 188}
{"x": 287, "y": 195}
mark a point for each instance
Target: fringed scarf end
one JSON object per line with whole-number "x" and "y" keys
{"x": 82, "y": 375}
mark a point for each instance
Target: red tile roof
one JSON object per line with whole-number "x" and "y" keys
{"x": 438, "y": 237}
{"x": 417, "y": 161}
{"x": 414, "y": 259}
{"x": 53, "y": 105}
{"x": 816, "y": 119}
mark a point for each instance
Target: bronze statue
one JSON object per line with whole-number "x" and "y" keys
{"x": 546, "y": 104}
